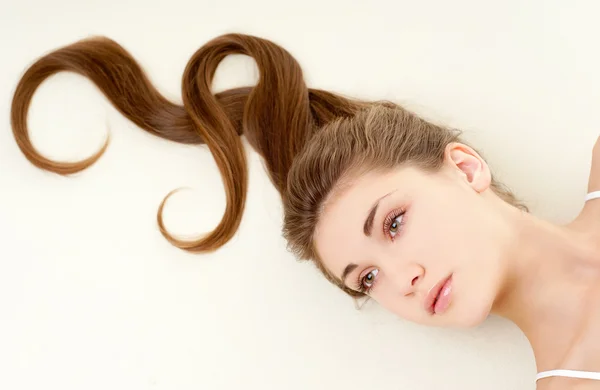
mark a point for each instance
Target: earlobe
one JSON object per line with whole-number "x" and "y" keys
{"x": 470, "y": 165}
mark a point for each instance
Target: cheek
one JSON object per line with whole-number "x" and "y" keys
{"x": 443, "y": 231}
{"x": 387, "y": 296}
{"x": 431, "y": 238}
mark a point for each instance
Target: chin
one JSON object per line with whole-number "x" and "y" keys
{"x": 474, "y": 295}
{"x": 470, "y": 313}
{"x": 473, "y": 319}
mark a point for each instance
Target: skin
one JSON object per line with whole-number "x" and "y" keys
{"x": 542, "y": 276}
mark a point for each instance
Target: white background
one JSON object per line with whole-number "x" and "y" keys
{"x": 92, "y": 296}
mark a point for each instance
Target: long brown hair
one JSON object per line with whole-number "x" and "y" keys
{"x": 310, "y": 139}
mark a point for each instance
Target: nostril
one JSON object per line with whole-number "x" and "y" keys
{"x": 412, "y": 283}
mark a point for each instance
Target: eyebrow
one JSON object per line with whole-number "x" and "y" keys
{"x": 349, "y": 268}
{"x": 368, "y": 226}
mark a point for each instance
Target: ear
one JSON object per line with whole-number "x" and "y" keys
{"x": 469, "y": 165}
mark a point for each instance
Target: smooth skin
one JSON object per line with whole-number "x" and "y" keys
{"x": 542, "y": 276}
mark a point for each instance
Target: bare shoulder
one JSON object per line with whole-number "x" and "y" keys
{"x": 588, "y": 220}
{"x": 569, "y": 384}
{"x": 594, "y": 180}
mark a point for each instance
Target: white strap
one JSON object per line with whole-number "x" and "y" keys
{"x": 569, "y": 374}
{"x": 592, "y": 195}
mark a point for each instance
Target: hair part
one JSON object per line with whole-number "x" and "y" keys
{"x": 312, "y": 141}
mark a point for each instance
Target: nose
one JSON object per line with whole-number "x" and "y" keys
{"x": 409, "y": 278}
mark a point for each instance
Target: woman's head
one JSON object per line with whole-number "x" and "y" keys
{"x": 385, "y": 203}
{"x": 388, "y": 205}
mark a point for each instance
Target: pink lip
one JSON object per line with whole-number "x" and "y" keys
{"x": 438, "y": 298}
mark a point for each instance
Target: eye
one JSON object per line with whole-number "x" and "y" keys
{"x": 369, "y": 279}
{"x": 393, "y": 223}
{"x": 395, "y": 226}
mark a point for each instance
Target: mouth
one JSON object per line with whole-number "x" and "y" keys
{"x": 439, "y": 297}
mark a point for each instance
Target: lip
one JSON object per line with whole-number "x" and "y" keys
{"x": 436, "y": 302}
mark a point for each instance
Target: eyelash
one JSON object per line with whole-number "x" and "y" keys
{"x": 389, "y": 220}
{"x": 387, "y": 223}
{"x": 361, "y": 283}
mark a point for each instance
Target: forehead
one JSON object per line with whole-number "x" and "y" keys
{"x": 357, "y": 195}
{"x": 339, "y": 236}
{"x": 360, "y": 190}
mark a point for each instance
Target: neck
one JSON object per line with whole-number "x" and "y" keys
{"x": 548, "y": 272}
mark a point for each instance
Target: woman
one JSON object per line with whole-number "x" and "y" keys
{"x": 386, "y": 204}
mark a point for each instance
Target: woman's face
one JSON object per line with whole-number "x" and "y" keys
{"x": 400, "y": 235}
